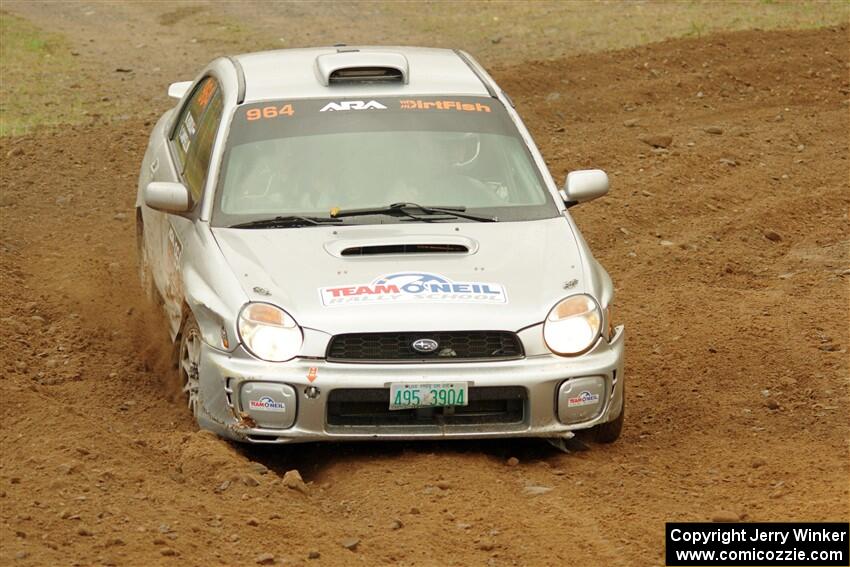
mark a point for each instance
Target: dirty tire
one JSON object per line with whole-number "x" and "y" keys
{"x": 188, "y": 361}
{"x": 610, "y": 432}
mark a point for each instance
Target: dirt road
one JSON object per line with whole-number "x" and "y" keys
{"x": 729, "y": 249}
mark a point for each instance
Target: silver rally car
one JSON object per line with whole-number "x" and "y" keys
{"x": 365, "y": 243}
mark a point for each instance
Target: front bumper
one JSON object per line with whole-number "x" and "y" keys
{"x": 224, "y": 375}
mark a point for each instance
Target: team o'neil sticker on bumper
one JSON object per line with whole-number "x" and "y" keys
{"x": 267, "y": 403}
{"x": 413, "y": 287}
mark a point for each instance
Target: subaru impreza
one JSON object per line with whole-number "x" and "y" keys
{"x": 355, "y": 243}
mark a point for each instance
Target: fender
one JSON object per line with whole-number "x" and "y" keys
{"x": 215, "y": 308}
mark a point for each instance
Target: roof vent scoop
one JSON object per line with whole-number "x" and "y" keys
{"x": 355, "y": 66}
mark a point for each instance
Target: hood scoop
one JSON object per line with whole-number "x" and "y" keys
{"x": 418, "y": 245}
{"x": 385, "y": 249}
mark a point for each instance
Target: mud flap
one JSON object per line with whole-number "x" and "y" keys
{"x": 568, "y": 444}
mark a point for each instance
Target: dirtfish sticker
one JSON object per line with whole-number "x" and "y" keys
{"x": 413, "y": 287}
{"x": 267, "y": 403}
{"x": 443, "y": 105}
{"x": 583, "y": 399}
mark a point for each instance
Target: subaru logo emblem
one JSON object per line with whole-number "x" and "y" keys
{"x": 425, "y": 345}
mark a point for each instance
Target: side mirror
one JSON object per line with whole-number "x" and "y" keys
{"x": 177, "y": 90}
{"x": 584, "y": 185}
{"x": 168, "y": 197}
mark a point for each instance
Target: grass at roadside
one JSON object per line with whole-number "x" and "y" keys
{"x": 43, "y": 83}
{"x": 544, "y": 29}
{"x": 36, "y": 78}
{"x": 512, "y": 31}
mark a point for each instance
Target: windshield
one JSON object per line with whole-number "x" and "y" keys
{"x": 307, "y": 157}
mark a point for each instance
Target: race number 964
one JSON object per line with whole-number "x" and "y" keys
{"x": 269, "y": 112}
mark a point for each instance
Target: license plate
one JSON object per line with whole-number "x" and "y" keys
{"x": 407, "y": 396}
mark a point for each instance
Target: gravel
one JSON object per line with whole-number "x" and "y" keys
{"x": 772, "y": 235}
{"x": 537, "y": 490}
{"x": 292, "y": 480}
{"x": 658, "y": 140}
{"x": 725, "y": 516}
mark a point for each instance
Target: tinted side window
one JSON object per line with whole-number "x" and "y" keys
{"x": 193, "y": 139}
{"x": 198, "y": 160}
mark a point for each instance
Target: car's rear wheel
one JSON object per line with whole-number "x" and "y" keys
{"x": 188, "y": 362}
{"x": 610, "y": 432}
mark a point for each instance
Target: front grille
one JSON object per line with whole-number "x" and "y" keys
{"x": 370, "y": 407}
{"x": 454, "y": 346}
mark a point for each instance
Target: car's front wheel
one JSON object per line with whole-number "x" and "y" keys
{"x": 188, "y": 362}
{"x": 610, "y": 432}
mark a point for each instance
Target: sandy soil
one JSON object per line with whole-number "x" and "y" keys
{"x": 729, "y": 250}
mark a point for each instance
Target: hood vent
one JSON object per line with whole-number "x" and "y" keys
{"x": 352, "y": 66}
{"x": 365, "y": 75}
{"x": 362, "y": 242}
{"x": 387, "y": 249}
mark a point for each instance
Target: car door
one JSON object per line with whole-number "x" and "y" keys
{"x": 190, "y": 146}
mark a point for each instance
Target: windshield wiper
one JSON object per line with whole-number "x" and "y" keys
{"x": 404, "y": 209}
{"x": 287, "y": 222}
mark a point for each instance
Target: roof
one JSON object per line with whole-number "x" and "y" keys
{"x": 293, "y": 73}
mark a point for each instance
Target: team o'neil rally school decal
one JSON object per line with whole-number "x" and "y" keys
{"x": 412, "y": 287}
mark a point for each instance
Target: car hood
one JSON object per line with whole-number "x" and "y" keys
{"x": 409, "y": 277}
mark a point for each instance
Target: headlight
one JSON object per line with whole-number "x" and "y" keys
{"x": 269, "y": 333}
{"x": 573, "y": 325}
